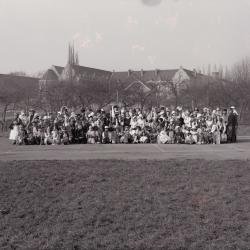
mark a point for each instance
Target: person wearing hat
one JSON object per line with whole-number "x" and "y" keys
{"x": 126, "y": 136}
{"x": 194, "y": 134}
{"x": 127, "y": 119}
{"x": 65, "y": 136}
{"x": 133, "y": 122}
{"x": 141, "y": 121}
{"x": 179, "y": 135}
{"x": 218, "y": 111}
{"x": 30, "y": 117}
{"x": 82, "y": 113}
{"x": 91, "y": 114}
{"x": 171, "y": 131}
{"x": 56, "y": 138}
{"x": 187, "y": 118}
{"x": 23, "y": 117}
{"x": 215, "y": 131}
{"x": 106, "y": 135}
{"x": 14, "y": 128}
{"x": 36, "y": 134}
{"x": 196, "y": 111}
{"x": 21, "y": 137}
{"x": 115, "y": 135}
{"x": 91, "y": 135}
{"x": 79, "y": 133}
{"x": 163, "y": 137}
{"x": 179, "y": 108}
{"x": 144, "y": 137}
{"x": 232, "y": 126}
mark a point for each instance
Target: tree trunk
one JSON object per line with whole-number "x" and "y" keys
{"x": 242, "y": 109}
{"x": 176, "y": 100}
{"x": 4, "y": 116}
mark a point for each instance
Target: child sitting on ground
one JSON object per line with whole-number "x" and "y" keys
{"x": 126, "y": 136}
{"x": 136, "y": 135}
{"x": 115, "y": 136}
{"x": 105, "y": 135}
{"x": 163, "y": 137}
{"x": 65, "y": 137}
{"x": 40, "y": 136}
{"x": 179, "y": 135}
{"x": 188, "y": 137}
{"x": 171, "y": 130}
{"x": 194, "y": 134}
{"x": 91, "y": 136}
{"x": 22, "y": 136}
{"x": 47, "y": 136}
{"x": 56, "y": 140}
{"x": 144, "y": 137}
{"x": 215, "y": 132}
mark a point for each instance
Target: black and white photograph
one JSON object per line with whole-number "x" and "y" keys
{"x": 124, "y": 124}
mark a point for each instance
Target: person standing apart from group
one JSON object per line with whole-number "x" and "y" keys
{"x": 232, "y": 125}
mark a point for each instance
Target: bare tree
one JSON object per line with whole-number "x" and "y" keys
{"x": 9, "y": 96}
{"x": 209, "y": 70}
{"x": 240, "y": 74}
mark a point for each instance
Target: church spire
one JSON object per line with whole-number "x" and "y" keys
{"x": 73, "y": 58}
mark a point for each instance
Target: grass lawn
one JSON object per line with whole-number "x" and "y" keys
{"x": 125, "y": 205}
{"x": 244, "y": 130}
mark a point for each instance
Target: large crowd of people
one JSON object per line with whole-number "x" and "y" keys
{"x": 121, "y": 125}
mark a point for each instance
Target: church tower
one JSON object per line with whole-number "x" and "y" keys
{"x": 68, "y": 73}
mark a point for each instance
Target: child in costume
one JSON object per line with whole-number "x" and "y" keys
{"x": 105, "y": 135}
{"x": 14, "y": 127}
{"x": 47, "y": 136}
{"x": 91, "y": 135}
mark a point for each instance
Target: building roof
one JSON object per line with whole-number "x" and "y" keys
{"x": 56, "y": 72}
{"x": 145, "y": 76}
{"x": 50, "y": 75}
{"x": 87, "y": 70}
{"x": 2, "y": 76}
{"x": 59, "y": 69}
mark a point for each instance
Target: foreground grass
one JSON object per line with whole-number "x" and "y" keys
{"x": 125, "y": 205}
{"x": 244, "y": 130}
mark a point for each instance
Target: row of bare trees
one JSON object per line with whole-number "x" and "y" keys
{"x": 92, "y": 93}
{"x": 17, "y": 93}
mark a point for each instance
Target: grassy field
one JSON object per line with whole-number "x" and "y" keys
{"x": 112, "y": 204}
{"x": 244, "y": 130}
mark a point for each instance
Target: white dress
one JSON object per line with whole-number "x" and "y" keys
{"x": 14, "y": 133}
{"x": 163, "y": 138}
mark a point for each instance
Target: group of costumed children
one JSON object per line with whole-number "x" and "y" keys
{"x": 121, "y": 125}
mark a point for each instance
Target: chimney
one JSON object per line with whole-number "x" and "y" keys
{"x": 194, "y": 72}
{"x": 216, "y": 75}
{"x": 142, "y": 72}
{"x": 157, "y": 72}
{"x": 129, "y": 72}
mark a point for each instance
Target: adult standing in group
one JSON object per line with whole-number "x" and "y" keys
{"x": 232, "y": 125}
{"x": 31, "y": 116}
{"x": 14, "y": 127}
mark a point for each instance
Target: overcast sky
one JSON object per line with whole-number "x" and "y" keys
{"x": 123, "y": 34}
